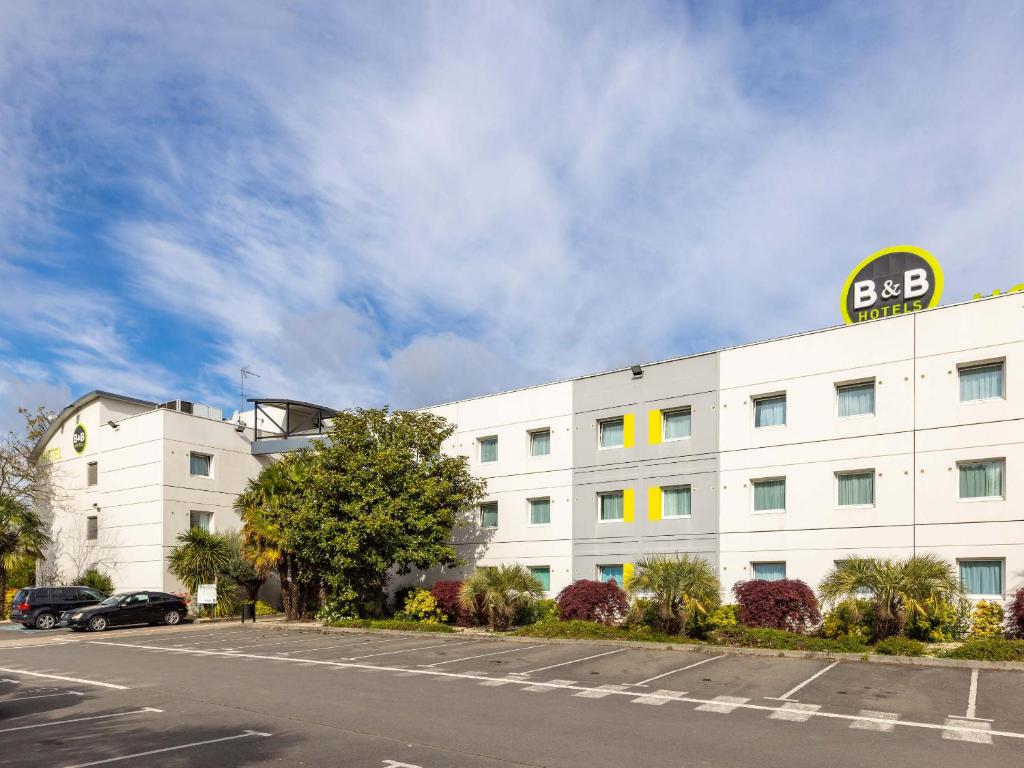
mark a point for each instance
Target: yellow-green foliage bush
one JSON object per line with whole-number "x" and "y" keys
{"x": 850, "y": 618}
{"x": 265, "y": 609}
{"x": 5, "y": 609}
{"x": 987, "y": 620}
{"x": 421, "y": 605}
{"x": 942, "y": 622}
{"x": 727, "y": 615}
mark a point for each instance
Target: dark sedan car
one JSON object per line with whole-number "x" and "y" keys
{"x": 128, "y": 608}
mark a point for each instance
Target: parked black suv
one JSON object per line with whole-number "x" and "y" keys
{"x": 41, "y": 607}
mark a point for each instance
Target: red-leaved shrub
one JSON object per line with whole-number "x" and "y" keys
{"x": 447, "y": 595}
{"x": 785, "y": 604}
{"x": 604, "y": 602}
{"x": 1015, "y": 615}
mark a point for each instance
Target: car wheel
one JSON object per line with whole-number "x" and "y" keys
{"x": 171, "y": 618}
{"x": 97, "y": 623}
{"x": 45, "y": 621}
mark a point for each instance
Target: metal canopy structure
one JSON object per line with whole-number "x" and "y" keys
{"x": 286, "y": 425}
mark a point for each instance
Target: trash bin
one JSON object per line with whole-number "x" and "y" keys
{"x": 248, "y": 612}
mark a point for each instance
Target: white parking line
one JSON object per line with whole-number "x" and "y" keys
{"x": 972, "y": 700}
{"x": 681, "y": 669}
{"x": 478, "y": 656}
{"x": 865, "y": 719}
{"x": 811, "y": 679}
{"x": 573, "y": 661}
{"x": 65, "y": 679}
{"x": 80, "y": 719}
{"x": 962, "y": 729}
{"x": 242, "y": 735}
{"x": 408, "y": 650}
{"x": 42, "y": 696}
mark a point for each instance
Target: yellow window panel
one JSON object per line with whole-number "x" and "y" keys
{"x": 654, "y": 427}
{"x": 627, "y": 505}
{"x": 627, "y": 430}
{"x": 654, "y": 502}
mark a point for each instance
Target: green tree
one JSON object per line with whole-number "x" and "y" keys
{"x": 96, "y": 579}
{"x": 379, "y": 497}
{"x": 681, "y": 586}
{"x": 899, "y": 589}
{"x": 22, "y": 538}
{"x": 502, "y": 591}
{"x": 199, "y": 558}
{"x": 241, "y": 569}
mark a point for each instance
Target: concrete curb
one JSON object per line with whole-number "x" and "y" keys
{"x": 902, "y": 661}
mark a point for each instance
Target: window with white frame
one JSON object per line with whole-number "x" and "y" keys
{"x": 610, "y": 506}
{"x": 540, "y": 442}
{"x": 981, "y": 479}
{"x": 488, "y": 449}
{"x": 608, "y": 573}
{"x": 855, "y": 489}
{"x": 540, "y": 511}
{"x": 769, "y": 571}
{"x": 982, "y": 578}
{"x": 489, "y": 514}
{"x": 92, "y": 528}
{"x": 202, "y": 521}
{"x": 676, "y": 424}
{"x": 857, "y": 399}
{"x": 769, "y": 494}
{"x": 675, "y": 501}
{"x": 983, "y": 381}
{"x": 200, "y": 464}
{"x": 770, "y": 411}
{"x": 542, "y": 573}
{"x": 611, "y": 433}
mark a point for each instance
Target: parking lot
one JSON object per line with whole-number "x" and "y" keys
{"x": 258, "y": 695}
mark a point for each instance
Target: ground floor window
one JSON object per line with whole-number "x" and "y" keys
{"x": 769, "y": 571}
{"x": 609, "y": 572}
{"x": 542, "y": 573}
{"x": 982, "y": 577}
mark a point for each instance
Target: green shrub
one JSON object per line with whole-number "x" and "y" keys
{"x": 987, "y": 649}
{"x": 5, "y": 609}
{"x": 577, "y": 629}
{"x": 987, "y": 620}
{"x": 228, "y": 601}
{"x": 410, "y": 626}
{"x": 752, "y": 637}
{"x": 850, "y": 618}
{"x": 265, "y": 609}
{"x": 701, "y": 624}
{"x": 338, "y": 609}
{"x": 642, "y": 613}
{"x": 421, "y": 605}
{"x": 900, "y": 646}
{"x": 944, "y": 621}
{"x": 539, "y": 611}
{"x": 93, "y": 578}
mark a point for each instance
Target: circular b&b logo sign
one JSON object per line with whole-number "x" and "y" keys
{"x": 893, "y": 281}
{"x": 78, "y": 438}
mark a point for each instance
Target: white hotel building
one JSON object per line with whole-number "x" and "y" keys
{"x": 892, "y": 437}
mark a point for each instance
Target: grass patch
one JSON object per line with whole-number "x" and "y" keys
{"x": 408, "y": 626}
{"x": 987, "y": 649}
{"x": 777, "y": 639}
{"x": 591, "y": 630}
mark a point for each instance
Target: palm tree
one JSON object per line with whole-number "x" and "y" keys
{"x": 502, "y": 591}
{"x": 22, "y": 537}
{"x": 681, "y": 586}
{"x": 199, "y": 558}
{"x": 898, "y": 588}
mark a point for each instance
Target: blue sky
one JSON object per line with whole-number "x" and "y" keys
{"x": 412, "y": 203}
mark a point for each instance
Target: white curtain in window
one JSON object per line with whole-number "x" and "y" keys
{"x": 856, "y": 489}
{"x": 770, "y": 411}
{"x": 540, "y": 511}
{"x": 540, "y": 443}
{"x": 982, "y": 577}
{"x": 199, "y": 464}
{"x": 770, "y": 571}
{"x": 981, "y": 480}
{"x": 489, "y": 515}
{"x": 857, "y": 399}
{"x": 612, "y": 433}
{"x": 676, "y": 424}
{"x": 611, "y": 506}
{"x": 981, "y": 382}
{"x": 770, "y": 494}
{"x": 489, "y": 449}
{"x": 676, "y": 502}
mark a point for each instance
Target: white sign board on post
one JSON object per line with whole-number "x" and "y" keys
{"x": 206, "y": 594}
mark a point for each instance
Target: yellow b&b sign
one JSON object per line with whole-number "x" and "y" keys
{"x": 892, "y": 281}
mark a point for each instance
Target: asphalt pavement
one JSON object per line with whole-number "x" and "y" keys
{"x": 224, "y": 695}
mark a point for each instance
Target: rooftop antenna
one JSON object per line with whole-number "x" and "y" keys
{"x": 244, "y": 373}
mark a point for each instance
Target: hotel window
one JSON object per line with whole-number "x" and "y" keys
{"x": 92, "y": 473}
{"x": 540, "y": 511}
{"x": 855, "y": 399}
{"x": 611, "y": 433}
{"x": 675, "y": 502}
{"x": 199, "y": 464}
{"x": 610, "y": 506}
{"x": 770, "y": 495}
{"x": 770, "y": 411}
{"x": 981, "y": 382}
{"x": 489, "y": 514}
{"x": 982, "y": 578}
{"x": 202, "y": 521}
{"x": 610, "y": 572}
{"x": 540, "y": 442}
{"x": 675, "y": 424}
{"x": 769, "y": 571}
{"x": 488, "y": 449}
{"x": 542, "y": 573}
{"x": 981, "y": 479}
{"x": 92, "y": 528}
{"x": 855, "y": 489}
